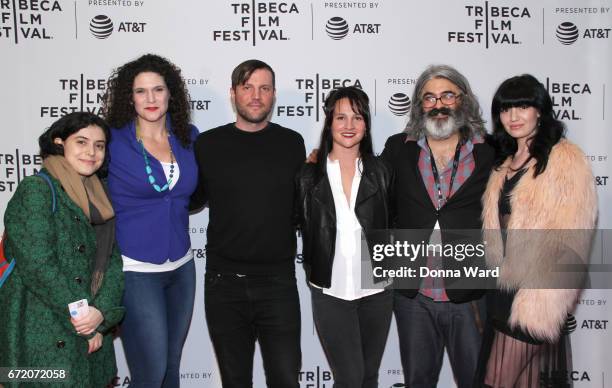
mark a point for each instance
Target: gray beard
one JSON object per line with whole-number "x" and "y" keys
{"x": 440, "y": 130}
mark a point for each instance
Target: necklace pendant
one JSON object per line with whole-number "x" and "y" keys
{"x": 149, "y": 170}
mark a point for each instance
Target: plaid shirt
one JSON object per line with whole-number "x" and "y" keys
{"x": 433, "y": 288}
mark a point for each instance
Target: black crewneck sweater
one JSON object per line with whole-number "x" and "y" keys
{"x": 248, "y": 180}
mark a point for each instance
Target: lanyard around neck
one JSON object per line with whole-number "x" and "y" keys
{"x": 436, "y": 176}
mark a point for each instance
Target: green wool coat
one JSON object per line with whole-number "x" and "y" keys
{"x": 53, "y": 253}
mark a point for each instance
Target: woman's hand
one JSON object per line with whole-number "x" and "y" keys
{"x": 95, "y": 343}
{"x": 89, "y": 322}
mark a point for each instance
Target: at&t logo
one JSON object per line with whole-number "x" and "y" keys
{"x": 315, "y": 90}
{"x": 259, "y": 21}
{"x": 197, "y": 104}
{"x": 337, "y": 28}
{"x": 492, "y": 25}
{"x": 594, "y": 324}
{"x": 23, "y": 19}
{"x": 570, "y": 324}
{"x": 568, "y": 33}
{"x": 101, "y": 26}
{"x": 399, "y": 104}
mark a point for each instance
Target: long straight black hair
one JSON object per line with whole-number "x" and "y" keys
{"x": 361, "y": 104}
{"x": 525, "y": 90}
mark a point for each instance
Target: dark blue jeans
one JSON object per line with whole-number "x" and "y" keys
{"x": 158, "y": 313}
{"x": 243, "y": 309}
{"x": 425, "y": 328}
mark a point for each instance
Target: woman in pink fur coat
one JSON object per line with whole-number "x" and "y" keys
{"x": 542, "y": 192}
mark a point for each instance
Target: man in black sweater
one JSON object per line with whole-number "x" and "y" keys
{"x": 246, "y": 175}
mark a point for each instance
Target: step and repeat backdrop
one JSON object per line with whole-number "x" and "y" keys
{"x": 56, "y": 56}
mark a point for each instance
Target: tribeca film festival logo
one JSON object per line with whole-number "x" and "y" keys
{"x": 16, "y": 165}
{"x": 567, "y": 33}
{"x": 564, "y": 96}
{"x": 101, "y": 26}
{"x": 492, "y": 25}
{"x": 24, "y": 19}
{"x": 257, "y": 21}
{"x": 87, "y": 94}
{"x": 315, "y": 90}
{"x": 81, "y": 94}
{"x": 317, "y": 378}
{"x": 338, "y": 28}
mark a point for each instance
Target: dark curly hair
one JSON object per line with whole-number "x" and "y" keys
{"x": 118, "y": 108}
{"x": 69, "y": 125}
{"x": 525, "y": 90}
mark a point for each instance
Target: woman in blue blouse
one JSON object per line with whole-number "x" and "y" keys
{"x": 152, "y": 174}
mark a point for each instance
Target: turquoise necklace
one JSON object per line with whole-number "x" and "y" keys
{"x": 148, "y": 168}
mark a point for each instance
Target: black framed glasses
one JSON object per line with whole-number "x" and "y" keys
{"x": 448, "y": 98}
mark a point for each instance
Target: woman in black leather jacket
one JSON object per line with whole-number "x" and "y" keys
{"x": 342, "y": 195}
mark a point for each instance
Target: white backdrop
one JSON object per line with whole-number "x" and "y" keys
{"x": 57, "y": 54}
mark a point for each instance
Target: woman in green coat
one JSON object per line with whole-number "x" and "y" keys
{"x": 60, "y": 233}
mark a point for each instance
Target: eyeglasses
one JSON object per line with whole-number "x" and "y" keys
{"x": 448, "y": 98}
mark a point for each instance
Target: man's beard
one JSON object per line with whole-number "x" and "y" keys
{"x": 440, "y": 129}
{"x": 253, "y": 119}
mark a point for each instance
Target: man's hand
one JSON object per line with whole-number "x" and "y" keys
{"x": 312, "y": 157}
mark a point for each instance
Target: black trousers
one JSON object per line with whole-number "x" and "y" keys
{"x": 353, "y": 334}
{"x": 241, "y": 310}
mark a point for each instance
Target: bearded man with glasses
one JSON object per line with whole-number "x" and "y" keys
{"x": 441, "y": 165}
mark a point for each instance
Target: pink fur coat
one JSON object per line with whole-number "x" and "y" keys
{"x": 551, "y": 223}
